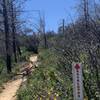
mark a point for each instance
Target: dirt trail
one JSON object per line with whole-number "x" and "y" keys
{"x": 9, "y": 93}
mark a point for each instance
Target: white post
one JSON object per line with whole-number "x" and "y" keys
{"x": 77, "y": 81}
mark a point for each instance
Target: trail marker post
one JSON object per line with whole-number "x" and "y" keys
{"x": 77, "y": 81}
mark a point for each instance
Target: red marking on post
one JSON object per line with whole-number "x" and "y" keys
{"x": 77, "y": 66}
{"x": 77, "y": 80}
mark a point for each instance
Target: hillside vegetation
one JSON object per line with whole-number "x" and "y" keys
{"x": 47, "y": 81}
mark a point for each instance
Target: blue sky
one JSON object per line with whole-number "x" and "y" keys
{"x": 55, "y": 11}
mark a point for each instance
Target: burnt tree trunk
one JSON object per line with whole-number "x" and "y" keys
{"x": 13, "y": 16}
{"x": 7, "y": 37}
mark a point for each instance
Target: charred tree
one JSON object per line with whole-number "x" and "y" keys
{"x": 86, "y": 14}
{"x": 7, "y": 36}
{"x": 13, "y": 17}
{"x": 45, "y": 38}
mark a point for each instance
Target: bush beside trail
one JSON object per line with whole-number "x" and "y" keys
{"x": 46, "y": 82}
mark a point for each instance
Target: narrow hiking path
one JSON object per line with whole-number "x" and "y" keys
{"x": 11, "y": 87}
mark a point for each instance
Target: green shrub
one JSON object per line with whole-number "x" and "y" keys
{"x": 46, "y": 81}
